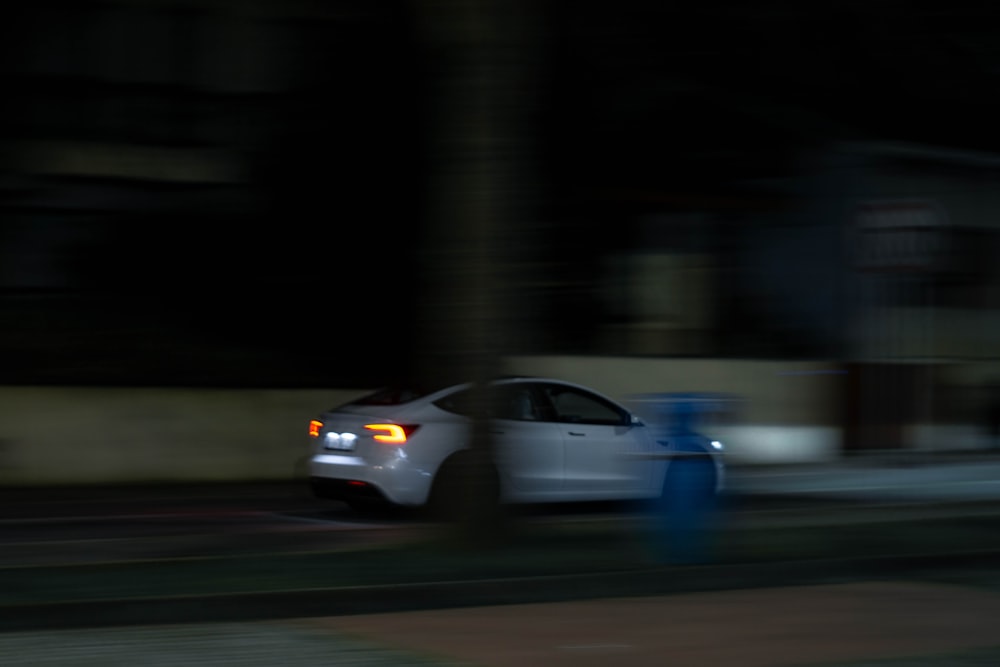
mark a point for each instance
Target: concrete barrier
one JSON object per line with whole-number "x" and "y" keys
{"x": 95, "y": 435}
{"x": 787, "y": 412}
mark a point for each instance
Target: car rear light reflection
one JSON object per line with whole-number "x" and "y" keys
{"x": 392, "y": 434}
{"x": 314, "y": 427}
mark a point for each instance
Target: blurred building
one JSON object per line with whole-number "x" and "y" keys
{"x": 875, "y": 255}
{"x": 175, "y": 173}
{"x": 198, "y": 189}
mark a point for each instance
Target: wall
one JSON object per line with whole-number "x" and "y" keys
{"x": 786, "y": 413}
{"x": 81, "y": 435}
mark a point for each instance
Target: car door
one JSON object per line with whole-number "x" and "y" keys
{"x": 602, "y": 445}
{"x": 529, "y": 449}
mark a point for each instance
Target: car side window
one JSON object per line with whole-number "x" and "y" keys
{"x": 506, "y": 401}
{"x": 575, "y": 406}
{"x": 514, "y": 401}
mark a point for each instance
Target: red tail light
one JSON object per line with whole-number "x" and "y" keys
{"x": 314, "y": 427}
{"x": 392, "y": 434}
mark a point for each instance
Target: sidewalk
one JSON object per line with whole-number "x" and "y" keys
{"x": 931, "y": 625}
{"x": 765, "y": 628}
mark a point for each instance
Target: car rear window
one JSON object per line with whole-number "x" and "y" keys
{"x": 391, "y": 396}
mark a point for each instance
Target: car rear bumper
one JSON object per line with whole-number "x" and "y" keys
{"x": 346, "y": 490}
{"x": 342, "y": 477}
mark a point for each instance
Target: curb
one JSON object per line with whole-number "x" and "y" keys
{"x": 258, "y": 606}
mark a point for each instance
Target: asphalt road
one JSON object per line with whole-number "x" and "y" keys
{"x": 854, "y": 509}
{"x": 52, "y": 526}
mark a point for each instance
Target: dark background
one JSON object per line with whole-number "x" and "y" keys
{"x": 309, "y": 268}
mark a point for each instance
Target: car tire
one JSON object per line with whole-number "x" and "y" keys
{"x": 447, "y": 495}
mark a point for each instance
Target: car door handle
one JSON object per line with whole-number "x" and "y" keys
{"x": 575, "y": 433}
{"x": 497, "y": 432}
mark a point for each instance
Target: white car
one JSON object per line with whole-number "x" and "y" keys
{"x": 554, "y": 441}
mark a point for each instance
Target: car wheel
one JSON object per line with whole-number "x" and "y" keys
{"x": 448, "y": 494}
